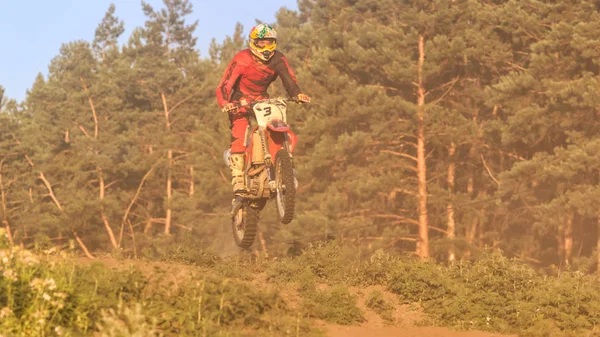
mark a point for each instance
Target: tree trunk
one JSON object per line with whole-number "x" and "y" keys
{"x": 480, "y": 242}
{"x": 5, "y": 214}
{"x": 598, "y": 239}
{"x": 451, "y": 231}
{"x": 148, "y": 226}
{"x": 471, "y": 228}
{"x": 560, "y": 238}
{"x": 598, "y": 248}
{"x": 169, "y": 173}
{"x": 568, "y": 236}
{"x": 192, "y": 187}
{"x": 423, "y": 243}
{"x": 111, "y": 234}
{"x": 169, "y": 193}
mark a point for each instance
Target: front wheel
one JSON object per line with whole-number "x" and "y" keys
{"x": 286, "y": 186}
{"x": 245, "y": 223}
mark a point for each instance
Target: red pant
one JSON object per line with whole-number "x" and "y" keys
{"x": 239, "y": 124}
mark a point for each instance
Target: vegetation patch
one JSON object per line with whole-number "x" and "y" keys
{"x": 376, "y": 302}
{"x": 493, "y": 293}
{"x": 335, "y": 306}
{"x": 40, "y": 298}
{"x": 46, "y": 295}
{"x": 501, "y": 295}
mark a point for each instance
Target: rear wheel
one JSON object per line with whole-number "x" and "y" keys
{"x": 286, "y": 186}
{"x": 245, "y": 223}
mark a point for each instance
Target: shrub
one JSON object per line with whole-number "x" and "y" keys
{"x": 383, "y": 308}
{"x": 419, "y": 282}
{"x": 39, "y": 297}
{"x": 335, "y": 306}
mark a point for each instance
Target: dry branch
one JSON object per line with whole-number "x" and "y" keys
{"x": 92, "y": 106}
{"x": 83, "y": 247}
{"x": 137, "y": 193}
{"x": 51, "y": 192}
{"x": 132, "y": 238}
{"x": 489, "y": 171}
{"x": 400, "y": 154}
{"x": 395, "y": 191}
{"x": 451, "y": 84}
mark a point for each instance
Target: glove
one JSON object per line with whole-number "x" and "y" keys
{"x": 234, "y": 106}
{"x": 229, "y": 107}
{"x": 303, "y": 98}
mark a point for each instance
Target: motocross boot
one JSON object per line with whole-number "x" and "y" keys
{"x": 238, "y": 181}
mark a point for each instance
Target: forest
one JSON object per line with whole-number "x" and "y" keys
{"x": 437, "y": 128}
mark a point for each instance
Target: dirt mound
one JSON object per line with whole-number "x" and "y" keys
{"x": 403, "y": 322}
{"x": 405, "y": 319}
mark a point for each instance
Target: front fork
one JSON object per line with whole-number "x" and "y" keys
{"x": 269, "y": 160}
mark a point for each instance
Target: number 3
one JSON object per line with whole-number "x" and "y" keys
{"x": 267, "y": 111}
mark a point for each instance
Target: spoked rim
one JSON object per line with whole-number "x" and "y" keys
{"x": 245, "y": 223}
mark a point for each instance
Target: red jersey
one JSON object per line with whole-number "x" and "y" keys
{"x": 249, "y": 78}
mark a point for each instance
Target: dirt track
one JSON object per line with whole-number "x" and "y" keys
{"x": 353, "y": 331}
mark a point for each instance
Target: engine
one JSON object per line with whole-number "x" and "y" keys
{"x": 258, "y": 182}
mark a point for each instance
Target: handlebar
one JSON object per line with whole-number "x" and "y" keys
{"x": 268, "y": 100}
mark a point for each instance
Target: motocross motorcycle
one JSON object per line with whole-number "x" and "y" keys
{"x": 269, "y": 170}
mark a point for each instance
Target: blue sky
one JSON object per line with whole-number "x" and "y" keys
{"x": 32, "y": 31}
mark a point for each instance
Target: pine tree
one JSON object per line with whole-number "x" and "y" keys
{"x": 174, "y": 86}
{"x": 107, "y": 34}
{"x": 10, "y": 163}
{"x": 400, "y": 61}
{"x": 551, "y": 119}
{"x": 224, "y": 52}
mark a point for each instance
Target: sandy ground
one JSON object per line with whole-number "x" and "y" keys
{"x": 354, "y": 331}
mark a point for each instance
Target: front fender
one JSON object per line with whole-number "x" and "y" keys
{"x": 276, "y": 141}
{"x": 278, "y": 125}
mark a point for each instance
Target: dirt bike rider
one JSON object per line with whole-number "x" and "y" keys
{"x": 246, "y": 79}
